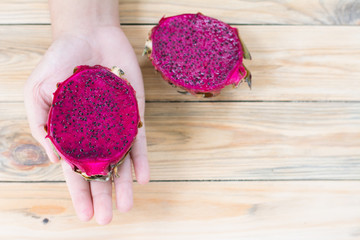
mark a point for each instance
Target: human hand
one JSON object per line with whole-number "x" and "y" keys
{"x": 107, "y": 46}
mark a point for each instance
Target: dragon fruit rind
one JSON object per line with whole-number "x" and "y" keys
{"x": 93, "y": 121}
{"x": 198, "y": 54}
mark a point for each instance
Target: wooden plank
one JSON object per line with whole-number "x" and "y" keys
{"x": 191, "y": 210}
{"x": 247, "y": 141}
{"x": 290, "y": 63}
{"x": 329, "y": 12}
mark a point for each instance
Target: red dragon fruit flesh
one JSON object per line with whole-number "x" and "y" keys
{"x": 198, "y": 54}
{"x": 93, "y": 120}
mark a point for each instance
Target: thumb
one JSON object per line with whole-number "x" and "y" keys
{"x": 37, "y": 108}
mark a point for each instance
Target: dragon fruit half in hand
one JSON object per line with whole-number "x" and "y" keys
{"x": 198, "y": 54}
{"x": 93, "y": 120}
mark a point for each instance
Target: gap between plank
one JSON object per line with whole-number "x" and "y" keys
{"x": 254, "y": 101}
{"x": 213, "y": 180}
{"x": 233, "y": 101}
{"x": 233, "y": 24}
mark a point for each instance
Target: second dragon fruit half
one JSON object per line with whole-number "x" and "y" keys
{"x": 198, "y": 54}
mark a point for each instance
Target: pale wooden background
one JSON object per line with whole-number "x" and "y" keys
{"x": 281, "y": 161}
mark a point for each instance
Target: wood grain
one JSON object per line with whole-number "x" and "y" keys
{"x": 328, "y": 12}
{"x": 191, "y": 210}
{"x": 245, "y": 141}
{"x": 289, "y": 63}
{"x": 225, "y": 168}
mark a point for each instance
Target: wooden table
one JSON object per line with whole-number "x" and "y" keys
{"x": 281, "y": 161}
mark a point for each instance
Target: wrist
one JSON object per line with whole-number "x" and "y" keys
{"x": 82, "y": 16}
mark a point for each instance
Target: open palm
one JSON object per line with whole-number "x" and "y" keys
{"x": 107, "y": 46}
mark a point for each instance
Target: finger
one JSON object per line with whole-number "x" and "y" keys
{"x": 123, "y": 186}
{"x": 102, "y": 199}
{"x": 139, "y": 157}
{"x": 80, "y": 193}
